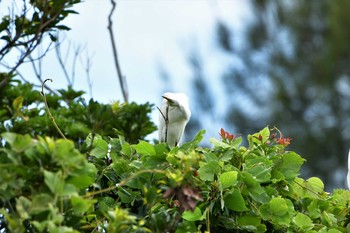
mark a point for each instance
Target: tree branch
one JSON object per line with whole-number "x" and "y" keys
{"x": 122, "y": 80}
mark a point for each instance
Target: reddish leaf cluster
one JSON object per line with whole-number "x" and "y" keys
{"x": 227, "y": 136}
{"x": 283, "y": 141}
{"x": 185, "y": 197}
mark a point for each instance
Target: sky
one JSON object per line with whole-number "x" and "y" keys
{"x": 151, "y": 36}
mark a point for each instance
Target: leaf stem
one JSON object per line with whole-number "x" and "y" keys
{"x": 48, "y": 109}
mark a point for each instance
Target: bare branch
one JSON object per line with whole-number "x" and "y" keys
{"x": 61, "y": 62}
{"x": 122, "y": 80}
{"x": 29, "y": 45}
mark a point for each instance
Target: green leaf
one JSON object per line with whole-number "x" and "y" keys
{"x": 333, "y": 231}
{"x": 18, "y": 103}
{"x": 259, "y": 167}
{"x": 161, "y": 149}
{"x": 311, "y": 188}
{"x": 217, "y": 143}
{"x": 254, "y": 188}
{"x": 227, "y": 155}
{"x": 193, "y": 216}
{"x": 54, "y": 181}
{"x": 186, "y": 227}
{"x": 199, "y": 137}
{"x": 328, "y": 219}
{"x": 290, "y": 166}
{"x": 41, "y": 202}
{"x": 100, "y": 147}
{"x": 106, "y": 204}
{"x": 126, "y": 149}
{"x": 18, "y": 142}
{"x": 314, "y": 209}
{"x": 144, "y": 148}
{"x": 23, "y": 205}
{"x": 207, "y": 171}
{"x": 278, "y": 215}
{"x": 303, "y": 221}
{"x": 81, "y": 205}
{"x": 250, "y": 223}
{"x": 84, "y": 178}
{"x": 259, "y": 138}
{"x": 278, "y": 206}
{"x": 228, "y": 179}
{"x": 235, "y": 201}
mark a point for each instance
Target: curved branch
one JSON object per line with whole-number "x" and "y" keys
{"x": 48, "y": 110}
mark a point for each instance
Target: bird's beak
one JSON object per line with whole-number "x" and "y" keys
{"x": 168, "y": 99}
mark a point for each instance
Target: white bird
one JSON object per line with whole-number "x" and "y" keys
{"x": 173, "y": 117}
{"x": 348, "y": 176}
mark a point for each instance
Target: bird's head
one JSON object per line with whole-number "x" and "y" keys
{"x": 176, "y": 99}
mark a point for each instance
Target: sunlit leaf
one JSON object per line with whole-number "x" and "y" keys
{"x": 228, "y": 179}
{"x": 193, "y": 216}
{"x": 144, "y": 148}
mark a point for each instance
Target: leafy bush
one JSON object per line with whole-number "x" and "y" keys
{"x": 22, "y": 111}
{"x": 48, "y": 185}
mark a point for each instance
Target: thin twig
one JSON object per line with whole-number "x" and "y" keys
{"x": 62, "y": 64}
{"x": 122, "y": 80}
{"x": 48, "y": 110}
{"x": 123, "y": 182}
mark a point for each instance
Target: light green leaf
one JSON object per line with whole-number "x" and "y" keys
{"x": 193, "y": 216}
{"x": 278, "y": 206}
{"x": 228, "y": 179}
{"x": 291, "y": 163}
{"x": 126, "y": 149}
{"x": 18, "y": 142}
{"x": 144, "y": 148}
{"x": 303, "y": 221}
{"x": 333, "y": 231}
{"x": 211, "y": 157}
{"x": 100, "y": 147}
{"x": 207, "y": 171}
{"x": 260, "y": 168}
{"x": 259, "y": 138}
{"x": 199, "y": 137}
{"x": 18, "y": 103}
{"x": 311, "y": 187}
{"x": 217, "y": 143}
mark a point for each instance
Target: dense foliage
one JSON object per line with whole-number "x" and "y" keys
{"x": 107, "y": 178}
{"x": 116, "y": 186}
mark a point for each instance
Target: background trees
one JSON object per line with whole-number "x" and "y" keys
{"x": 291, "y": 70}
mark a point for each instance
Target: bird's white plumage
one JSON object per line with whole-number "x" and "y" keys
{"x": 348, "y": 176}
{"x": 176, "y": 110}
